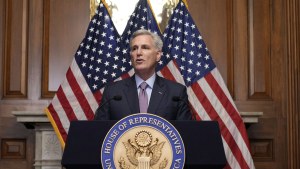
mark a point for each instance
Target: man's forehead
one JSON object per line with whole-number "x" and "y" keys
{"x": 142, "y": 36}
{"x": 142, "y": 40}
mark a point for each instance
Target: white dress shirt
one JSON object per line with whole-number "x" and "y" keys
{"x": 150, "y": 83}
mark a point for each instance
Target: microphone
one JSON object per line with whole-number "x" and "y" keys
{"x": 177, "y": 99}
{"x": 116, "y": 98}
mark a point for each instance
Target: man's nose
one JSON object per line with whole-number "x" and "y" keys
{"x": 139, "y": 51}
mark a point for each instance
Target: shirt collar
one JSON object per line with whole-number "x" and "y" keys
{"x": 149, "y": 81}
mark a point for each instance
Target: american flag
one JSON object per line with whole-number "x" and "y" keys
{"x": 103, "y": 56}
{"x": 187, "y": 61}
{"x": 141, "y": 18}
{"x": 100, "y": 58}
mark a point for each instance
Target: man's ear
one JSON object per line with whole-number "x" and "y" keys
{"x": 158, "y": 55}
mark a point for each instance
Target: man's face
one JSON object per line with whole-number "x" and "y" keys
{"x": 144, "y": 55}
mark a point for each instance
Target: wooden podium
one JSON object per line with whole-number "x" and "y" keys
{"x": 202, "y": 140}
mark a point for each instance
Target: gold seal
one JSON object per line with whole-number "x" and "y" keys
{"x": 143, "y": 146}
{"x": 143, "y": 138}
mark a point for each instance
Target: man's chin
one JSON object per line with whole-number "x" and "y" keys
{"x": 141, "y": 68}
{"x": 143, "y": 72}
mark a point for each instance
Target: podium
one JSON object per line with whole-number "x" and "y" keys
{"x": 202, "y": 141}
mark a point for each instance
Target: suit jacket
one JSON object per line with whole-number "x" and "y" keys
{"x": 162, "y": 102}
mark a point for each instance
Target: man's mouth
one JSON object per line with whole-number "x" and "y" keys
{"x": 139, "y": 60}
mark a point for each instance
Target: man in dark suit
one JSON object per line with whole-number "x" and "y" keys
{"x": 159, "y": 96}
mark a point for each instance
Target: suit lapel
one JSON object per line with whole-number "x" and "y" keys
{"x": 157, "y": 94}
{"x": 131, "y": 95}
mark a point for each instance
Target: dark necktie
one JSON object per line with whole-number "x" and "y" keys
{"x": 143, "y": 98}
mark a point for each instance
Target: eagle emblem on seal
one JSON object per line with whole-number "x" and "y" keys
{"x": 143, "y": 152}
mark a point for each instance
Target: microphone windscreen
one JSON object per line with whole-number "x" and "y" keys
{"x": 176, "y": 98}
{"x": 117, "y": 97}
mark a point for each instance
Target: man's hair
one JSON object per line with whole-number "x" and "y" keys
{"x": 156, "y": 38}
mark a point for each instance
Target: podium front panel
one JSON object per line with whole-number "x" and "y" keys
{"x": 202, "y": 140}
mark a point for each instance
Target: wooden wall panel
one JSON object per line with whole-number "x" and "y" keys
{"x": 252, "y": 66}
{"x": 62, "y": 21}
{"x": 259, "y": 49}
{"x": 15, "y": 49}
{"x": 13, "y": 148}
{"x": 214, "y": 21}
{"x": 262, "y": 149}
{"x": 266, "y": 54}
{"x": 240, "y": 50}
{"x": 35, "y": 48}
{"x": 2, "y": 28}
{"x": 293, "y": 83}
{"x": 255, "y": 44}
{"x": 17, "y": 145}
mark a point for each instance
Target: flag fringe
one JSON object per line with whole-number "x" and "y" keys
{"x": 61, "y": 140}
{"x": 106, "y": 6}
{"x": 186, "y": 4}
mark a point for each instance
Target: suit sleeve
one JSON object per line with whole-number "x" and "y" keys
{"x": 184, "y": 112}
{"x": 103, "y": 111}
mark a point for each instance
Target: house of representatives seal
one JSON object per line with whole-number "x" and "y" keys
{"x": 143, "y": 141}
